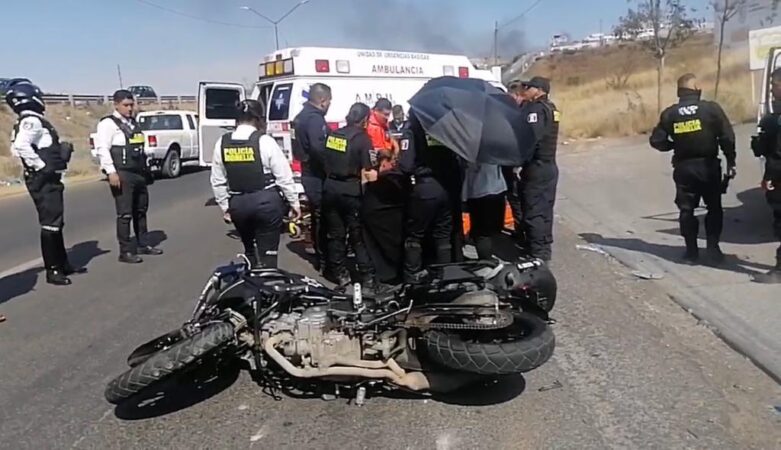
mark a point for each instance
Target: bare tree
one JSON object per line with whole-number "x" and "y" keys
{"x": 726, "y": 10}
{"x": 660, "y": 25}
{"x": 621, "y": 73}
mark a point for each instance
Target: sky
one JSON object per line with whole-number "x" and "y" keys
{"x": 74, "y": 46}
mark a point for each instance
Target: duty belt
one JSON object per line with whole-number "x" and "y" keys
{"x": 347, "y": 178}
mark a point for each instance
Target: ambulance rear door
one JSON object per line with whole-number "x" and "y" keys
{"x": 217, "y": 112}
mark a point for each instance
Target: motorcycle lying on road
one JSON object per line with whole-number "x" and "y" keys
{"x": 458, "y": 324}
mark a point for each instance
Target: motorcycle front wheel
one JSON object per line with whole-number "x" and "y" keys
{"x": 522, "y": 346}
{"x": 163, "y": 364}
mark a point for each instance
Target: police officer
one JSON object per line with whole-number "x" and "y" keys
{"x": 517, "y": 92}
{"x": 309, "y": 135}
{"x": 767, "y": 144}
{"x": 249, "y": 171}
{"x": 119, "y": 145}
{"x": 347, "y": 164}
{"x": 399, "y": 123}
{"x": 44, "y": 158}
{"x": 695, "y": 129}
{"x": 539, "y": 176}
{"x": 429, "y": 215}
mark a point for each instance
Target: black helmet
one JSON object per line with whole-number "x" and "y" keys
{"x": 25, "y": 96}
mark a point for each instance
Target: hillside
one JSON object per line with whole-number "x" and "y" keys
{"x": 612, "y": 91}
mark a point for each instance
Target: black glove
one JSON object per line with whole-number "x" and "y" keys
{"x": 755, "y": 146}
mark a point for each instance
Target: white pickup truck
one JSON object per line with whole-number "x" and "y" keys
{"x": 171, "y": 140}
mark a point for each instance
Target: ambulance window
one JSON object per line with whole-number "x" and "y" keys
{"x": 222, "y": 103}
{"x": 265, "y": 92}
{"x": 279, "y": 103}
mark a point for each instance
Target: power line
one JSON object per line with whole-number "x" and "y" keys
{"x": 194, "y": 17}
{"x": 532, "y": 6}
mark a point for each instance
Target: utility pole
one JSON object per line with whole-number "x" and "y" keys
{"x": 119, "y": 73}
{"x": 496, "y": 43}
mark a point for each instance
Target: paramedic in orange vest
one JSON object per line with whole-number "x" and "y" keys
{"x": 380, "y": 134}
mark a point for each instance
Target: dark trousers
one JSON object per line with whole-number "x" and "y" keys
{"x": 699, "y": 179}
{"x": 342, "y": 219}
{"x": 486, "y": 215}
{"x": 46, "y": 190}
{"x": 428, "y": 219}
{"x": 383, "y": 209}
{"x": 538, "y": 196}
{"x": 313, "y": 189}
{"x": 514, "y": 198}
{"x": 774, "y": 200}
{"x": 132, "y": 202}
{"x": 258, "y": 218}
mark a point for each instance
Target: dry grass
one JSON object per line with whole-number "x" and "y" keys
{"x": 73, "y": 124}
{"x": 612, "y": 91}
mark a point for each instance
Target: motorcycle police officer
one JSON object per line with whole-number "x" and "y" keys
{"x": 767, "y": 144}
{"x": 539, "y": 176}
{"x": 310, "y": 130}
{"x": 44, "y": 158}
{"x": 429, "y": 215}
{"x": 248, "y": 172}
{"x": 695, "y": 129}
{"x": 347, "y": 165}
{"x": 119, "y": 145}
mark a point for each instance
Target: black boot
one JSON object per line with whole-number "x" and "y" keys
{"x": 715, "y": 255}
{"x": 692, "y": 254}
{"x": 130, "y": 258}
{"x": 67, "y": 268}
{"x": 413, "y": 261}
{"x": 51, "y": 259}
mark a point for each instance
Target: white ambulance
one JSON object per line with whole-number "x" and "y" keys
{"x": 354, "y": 76}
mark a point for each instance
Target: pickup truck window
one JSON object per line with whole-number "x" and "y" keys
{"x": 161, "y": 122}
{"x": 222, "y": 103}
{"x": 279, "y": 103}
{"x": 190, "y": 121}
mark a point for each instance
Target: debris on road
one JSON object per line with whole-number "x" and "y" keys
{"x": 2, "y": 318}
{"x": 777, "y": 409}
{"x": 555, "y": 385}
{"x": 592, "y": 248}
{"x": 647, "y": 275}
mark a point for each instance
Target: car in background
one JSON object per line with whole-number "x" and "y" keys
{"x": 7, "y": 83}
{"x": 142, "y": 92}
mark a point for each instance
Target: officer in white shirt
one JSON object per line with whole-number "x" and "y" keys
{"x": 44, "y": 157}
{"x": 119, "y": 145}
{"x": 250, "y": 176}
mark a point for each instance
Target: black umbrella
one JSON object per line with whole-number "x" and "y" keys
{"x": 474, "y": 119}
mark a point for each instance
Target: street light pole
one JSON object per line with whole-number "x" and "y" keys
{"x": 275, "y": 22}
{"x": 496, "y": 42}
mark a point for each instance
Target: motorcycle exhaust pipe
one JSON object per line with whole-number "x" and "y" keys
{"x": 388, "y": 370}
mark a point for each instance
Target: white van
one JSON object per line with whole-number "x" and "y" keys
{"x": 354, "y": 76}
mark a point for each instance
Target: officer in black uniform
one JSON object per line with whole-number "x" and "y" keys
{"x": 539, "y": 177}
{"x": 429, "y": 215}
{"x": 119, "y": 144}
{"x": 44, "y": 158}
{"x": 347, "y": 157}
{"x": 310, "y": 130}
{"x": 695, "y": 129}
{"x": 249, "y": 172}
{"x": 517, "y": 92}
{"x": 767, "y": 144}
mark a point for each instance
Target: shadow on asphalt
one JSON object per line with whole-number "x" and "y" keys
{"x": 156, "y": 237}
{"x": 180, "y": 392}
{"x": 674, "y": 253}
{"x": 21, "y": 283}
{"x": 298, "y": 248}
{"x": 186, "y": 170}
{"x": 749, "y": 223}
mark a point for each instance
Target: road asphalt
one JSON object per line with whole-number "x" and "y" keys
{"x": 632, "y": 369}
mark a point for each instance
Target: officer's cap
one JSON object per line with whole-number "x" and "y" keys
{"x": 541, "y": 83}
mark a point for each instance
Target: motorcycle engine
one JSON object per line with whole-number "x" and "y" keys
{"x": 316, "y": 340}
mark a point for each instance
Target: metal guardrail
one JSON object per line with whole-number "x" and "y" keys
{"x": 75, "y": 100}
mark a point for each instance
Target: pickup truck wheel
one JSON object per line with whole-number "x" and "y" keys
{"x": 172, "y": 165}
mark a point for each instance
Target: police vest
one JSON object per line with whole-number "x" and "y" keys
{"x": 57, "y": 155}
{"x": 243, "y": 166}
{"x": 129, "y": 157}
{"x": 546, "y": 150}
{"x": 341, "y": 161}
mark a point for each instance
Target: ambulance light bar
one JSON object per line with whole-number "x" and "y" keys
{"x": 276, "y": 68}
{"x": 450, "y": 71}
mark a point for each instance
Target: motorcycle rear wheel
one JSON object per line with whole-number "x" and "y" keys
{"x": 173, "y": 359}
{"x": 520, "y": 347}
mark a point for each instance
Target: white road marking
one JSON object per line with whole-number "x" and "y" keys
{"x": 38, "y": 262}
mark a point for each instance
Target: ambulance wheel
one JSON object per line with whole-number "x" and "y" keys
{"x": 172, "y": 165}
